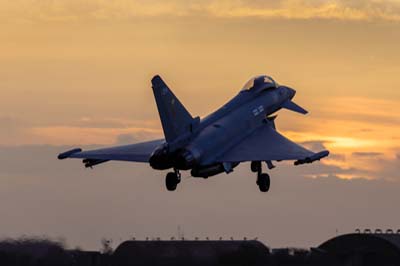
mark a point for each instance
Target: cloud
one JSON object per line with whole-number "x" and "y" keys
{"x": 124, "y": 200}
{"x": 367, "y": 154}
{"x": 13, "y": 129}
{"x": 75, "y": 10}
{"x": 315, "y": 145}
{"x": 70, "y": 135}
{"x": 387, "y": 168}
{"x": 300, "y": 9}
{"x": 126, "y": 139}
{"x": 9, "y": 124}
{"x": 359, "y": 109}
{"x": 16, "y": 130}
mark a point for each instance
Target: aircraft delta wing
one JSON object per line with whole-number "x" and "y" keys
{"x": 139, "y": 152}
{"x": 265, "y": 144}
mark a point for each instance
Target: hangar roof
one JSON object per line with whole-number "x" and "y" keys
{"x": 179, "y": 252}
{"x": 384, "y": 243}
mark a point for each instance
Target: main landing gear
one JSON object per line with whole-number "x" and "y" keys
{"x": 263, "y": 179}
{"x": 172, "y": 180}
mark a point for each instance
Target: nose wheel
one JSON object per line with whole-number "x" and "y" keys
{"x": 263, "y": 179}
{"x": 172, "y": 180}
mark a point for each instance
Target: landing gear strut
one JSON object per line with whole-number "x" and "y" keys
{"x": 263, "y": 179}
{"x": 172, "y": 180}
{"x": 256, "y": 166}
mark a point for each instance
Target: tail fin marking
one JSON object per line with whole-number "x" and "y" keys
{"x": 175, "y": 119}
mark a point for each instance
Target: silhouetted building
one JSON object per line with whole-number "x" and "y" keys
{"x": 362, "y": 249}
{"x": 88, "y": 258}
{"x": 175, "y": 253}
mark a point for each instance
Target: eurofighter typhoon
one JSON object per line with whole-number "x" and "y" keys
{"x": 243, "y": 130}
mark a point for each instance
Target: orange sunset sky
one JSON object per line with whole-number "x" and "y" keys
{"x": 77, "y": 72}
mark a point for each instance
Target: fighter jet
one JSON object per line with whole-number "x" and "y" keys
{"x": 243, "y": 130}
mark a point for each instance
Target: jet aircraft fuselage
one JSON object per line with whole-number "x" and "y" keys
{"x": 223, "y": 129}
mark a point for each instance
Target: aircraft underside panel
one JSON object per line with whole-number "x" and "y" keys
{"x": 265, "y": 144}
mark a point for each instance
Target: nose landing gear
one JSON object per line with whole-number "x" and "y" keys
{"x": 263, "y": 179}
{"x": 172, "y": 180}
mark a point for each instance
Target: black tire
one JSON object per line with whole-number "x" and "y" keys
{"x": 255, "y": 166}
{"x": 263, "y": 182}
{"x": 171, "y": 181}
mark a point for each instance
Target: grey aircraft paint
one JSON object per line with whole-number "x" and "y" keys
{"x": 241, "y": 130}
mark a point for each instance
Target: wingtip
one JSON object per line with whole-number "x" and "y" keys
{"x": 323, "y": 153}
{"x": 67, "y": 154}
{"x": 315, "y": 157}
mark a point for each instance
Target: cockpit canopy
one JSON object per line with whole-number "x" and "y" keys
{"x": 260, "y": 83}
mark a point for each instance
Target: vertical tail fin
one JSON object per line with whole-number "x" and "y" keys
{"x": 175, "y": 119}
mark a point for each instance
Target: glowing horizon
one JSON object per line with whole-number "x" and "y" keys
{"x": 86, "y": 69}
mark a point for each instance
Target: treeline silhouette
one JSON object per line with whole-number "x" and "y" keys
{"x": 30, "y": 251}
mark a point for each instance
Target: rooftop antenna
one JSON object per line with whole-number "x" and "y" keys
{"x": 181, "y": 233}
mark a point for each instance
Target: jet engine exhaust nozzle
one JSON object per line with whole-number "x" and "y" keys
{"x": 185, "y": 160}
{"x": 161, "y": 159}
